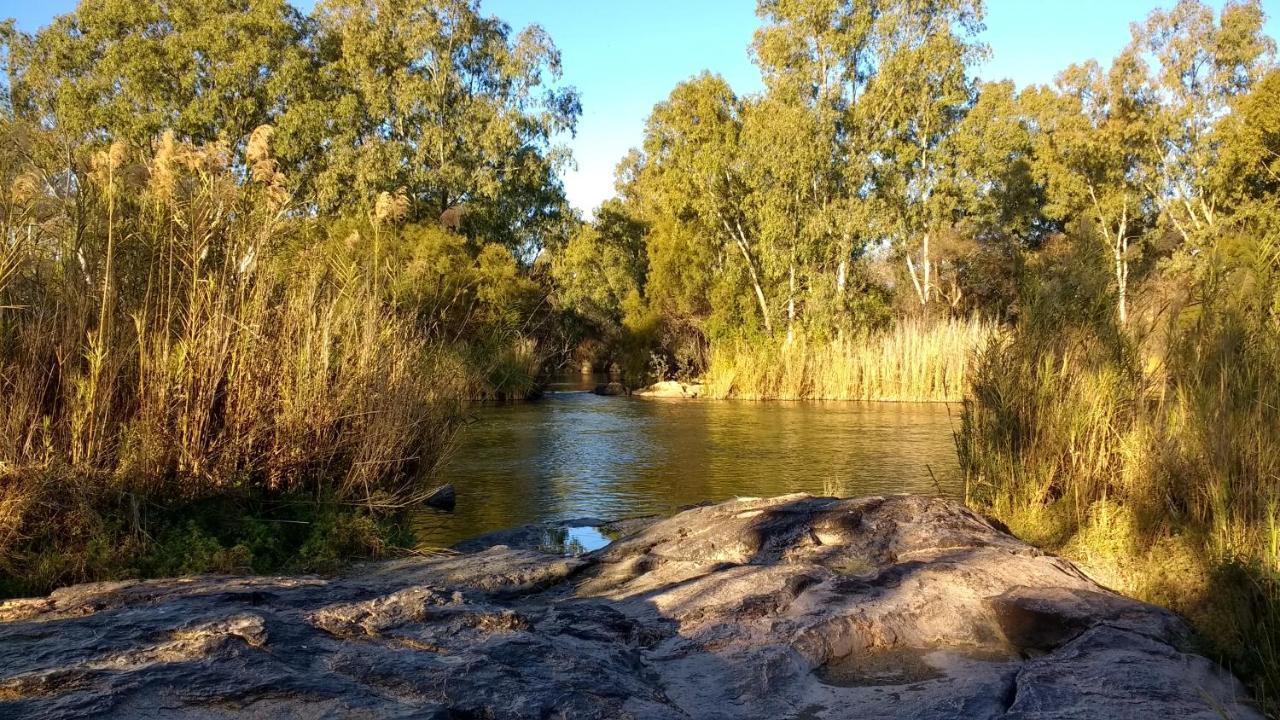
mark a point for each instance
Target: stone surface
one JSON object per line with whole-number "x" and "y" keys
{"x": 791, "y": 607}
{"x": 671, "y": 389}
{"x": 442, "y": 498}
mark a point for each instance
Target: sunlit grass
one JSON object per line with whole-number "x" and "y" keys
{"x": 1154, "y": 463}
{"x": 913, "y": 360}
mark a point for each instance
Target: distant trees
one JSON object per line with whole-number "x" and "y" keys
{"x": 874, "y": 166}
{"x": 439, "y": 100}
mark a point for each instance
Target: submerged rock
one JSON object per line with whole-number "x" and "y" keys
{"x": 790, "y": 607}
{"x": 611, "y": 388}
{"x": 442, "y": 498}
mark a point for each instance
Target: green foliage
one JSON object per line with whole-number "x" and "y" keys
{"x": 743, "y": 239}
{"x": 439, "y": 100}
{"x": 452, "y": 108}
{"x": 129, "y": 71}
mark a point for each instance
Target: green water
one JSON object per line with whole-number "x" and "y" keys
{"x": 577, "y": 455}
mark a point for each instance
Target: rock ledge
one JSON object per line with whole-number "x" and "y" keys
{"x": 790, "y": 607}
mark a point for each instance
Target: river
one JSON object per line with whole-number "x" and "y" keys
{"x": 574, "y": 455}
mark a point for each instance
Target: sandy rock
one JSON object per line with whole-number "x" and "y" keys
{"x": 671, "y": 389}
{"x": 790, "y": 607}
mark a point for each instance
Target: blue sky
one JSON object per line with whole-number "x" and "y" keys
{"x": 624, "y": 56}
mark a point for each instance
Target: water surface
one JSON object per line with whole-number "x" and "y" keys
{"x": 577, "y": 455}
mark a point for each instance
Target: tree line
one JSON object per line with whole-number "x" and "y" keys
{"x": 875, "y": 176}
{"x": 437, "y": 101}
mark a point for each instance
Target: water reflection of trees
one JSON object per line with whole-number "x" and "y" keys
{"x": 581, "y": 455}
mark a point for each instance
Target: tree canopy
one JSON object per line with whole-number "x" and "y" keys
{"x": 434, "y": 100}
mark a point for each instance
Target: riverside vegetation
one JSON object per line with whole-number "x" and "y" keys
{"x": 252, "y": 261}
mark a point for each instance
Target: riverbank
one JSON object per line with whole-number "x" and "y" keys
{"x": 900, "y": 607}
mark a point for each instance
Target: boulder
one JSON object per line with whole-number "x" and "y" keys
{"x": 671, "y": 389}
{"x": 790, "y": 607}
{"x": 442, "y": 498}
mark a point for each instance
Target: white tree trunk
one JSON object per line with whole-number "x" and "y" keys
{"x": 755, "y": 284}
{"x": 1120, "y": 250}
{"x": 928, "y": 266}
{"x": 791, "y": 304}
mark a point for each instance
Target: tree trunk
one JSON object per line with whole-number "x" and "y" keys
{"x": 740, "y": 239}
{"x": 1120, "y": 250}
{"x": 924, "y": 260}
{"x": 922, "y": 277}
{"x": 1122, "y": 281}
{"x": 791, "y": 304}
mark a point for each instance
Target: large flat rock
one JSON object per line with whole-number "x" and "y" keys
{"x": 789, "y": 607}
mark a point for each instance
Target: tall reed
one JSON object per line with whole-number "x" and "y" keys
{"x": 913, "y": 360}
{"x": 163, "y": 340}
{"x": 1151, "y": 458}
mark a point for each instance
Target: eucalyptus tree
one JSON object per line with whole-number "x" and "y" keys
{"x": 1246, "y": 179}
{"x": 600, "y": 272}
{"x": 438, "y": 99}
{"x": 917, "y": 94}
{"x": 1199, "y": 66}
{"x": 8, "y": 35}
{"x": 208, "y": 70}
{"x": 694, "y": 186}
{"x": 997, "y": 201}
{"x": 813, "y": 56}
{"x": 1094, "y": 152}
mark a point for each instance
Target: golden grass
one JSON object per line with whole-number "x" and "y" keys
{"x": 1154, "y": 463}
{"x": 163, "y": 341}
{"x": 913, "y": 361}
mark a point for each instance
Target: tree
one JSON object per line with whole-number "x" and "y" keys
{"x": 1249, "y": 163}
{"x": 121, "y": 70}
{"x": 812, "y": 56}
{"x": 603, "y": 267}
{"x": 1094, "y": 144}
{"x": 1200, "y": 67}
{"x": 997, "y": 200}
{"x": 8, "y": 35}
{"x": 918, "y": 94}
{"x": 441, "y": 101}
{"x": 693, "y": 176}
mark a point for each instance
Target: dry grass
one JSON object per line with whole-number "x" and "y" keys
{"x": 914, "y": 360}
{"x": 160, "y": 340}
{"x": 1153, "y": 460}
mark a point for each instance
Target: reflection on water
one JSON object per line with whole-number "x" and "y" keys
{"x": 573, "y": 455}
{"x": 574, "y": 540}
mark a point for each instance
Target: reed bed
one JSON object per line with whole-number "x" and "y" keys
{"x": 914, "y": 360}
{"x": 164, "y": 342}
{"x": 1152, "y": 459}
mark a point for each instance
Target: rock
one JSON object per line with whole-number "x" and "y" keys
{"x": 790, "y": 607}
{"x": 611, "y": 388}
{"x": 442, "y": 498}
{"x": 671, "y": 389}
